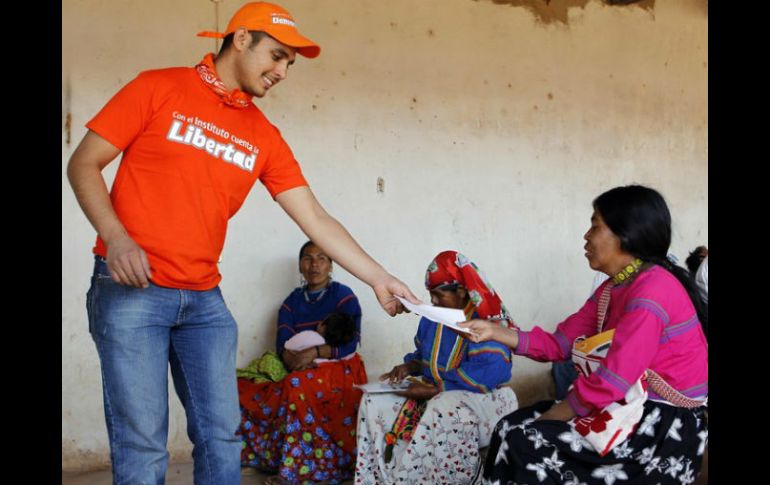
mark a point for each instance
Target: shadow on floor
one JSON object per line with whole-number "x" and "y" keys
{"x": 177, "y": 474}
{"x": 181, "y": 474}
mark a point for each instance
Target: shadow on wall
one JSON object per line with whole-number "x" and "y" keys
{"x": 552, "y": 11}
{"x": 533, "y": 388}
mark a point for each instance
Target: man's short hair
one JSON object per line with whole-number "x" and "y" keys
{"x": 256, "y": 36}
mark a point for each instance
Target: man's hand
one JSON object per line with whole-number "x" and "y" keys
{"x": 328, "y": 234}
{"x": 127, "y": 262}
{"x": 386, "y": 288}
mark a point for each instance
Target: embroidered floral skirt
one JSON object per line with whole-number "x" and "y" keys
{"x": 444, "y": 448}
{"x": 666, "y": 448}
{"x": 303, "y": 427}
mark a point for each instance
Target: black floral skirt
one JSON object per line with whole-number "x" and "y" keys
{"x": 666, "y": 448}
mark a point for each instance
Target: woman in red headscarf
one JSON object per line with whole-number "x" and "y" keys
{"x": 432, "y": 432}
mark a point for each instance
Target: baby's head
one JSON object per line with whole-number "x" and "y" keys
{"x": 338, "y": 329}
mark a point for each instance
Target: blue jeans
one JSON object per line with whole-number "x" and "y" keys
{"x": 564, "y": 374}
{"x": 138, "y": 334}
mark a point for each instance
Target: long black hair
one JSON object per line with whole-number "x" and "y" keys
{"x": 640, "y": 218}
{"x": 302, "y": 252}
{"x": 302, "y": 249}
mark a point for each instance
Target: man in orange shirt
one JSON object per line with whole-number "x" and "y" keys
{"x": 193, "y": 145}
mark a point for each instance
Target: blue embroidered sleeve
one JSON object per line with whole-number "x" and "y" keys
{"x": 286, "y": 328}
{"x": 486, "y": 366}
{"x": 418, "y": 338}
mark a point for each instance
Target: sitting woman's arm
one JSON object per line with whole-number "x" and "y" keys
{"x": 294, "y": 360}
{"x": 411, "y": 366}
{"x": 639, "y": 336}
{"x": 537, "y": 344}
{"x": 286, "y": 329}
{"x": 486, "y": 366}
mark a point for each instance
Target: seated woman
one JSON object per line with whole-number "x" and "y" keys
{"x": 648, "y": 317}
{"x": 303, "y": 427}
{"x": 432, "y": 432}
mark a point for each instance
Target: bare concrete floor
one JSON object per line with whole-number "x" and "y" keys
{"x": 181, "y": 474}
{"x": 177, "y": 474}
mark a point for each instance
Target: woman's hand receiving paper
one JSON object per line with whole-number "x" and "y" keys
{"x": 483, "y": 330}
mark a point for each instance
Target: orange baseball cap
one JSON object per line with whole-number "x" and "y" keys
{"x": 273, "y": 20}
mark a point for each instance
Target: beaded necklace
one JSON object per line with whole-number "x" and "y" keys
{"x": 628, "y": 272}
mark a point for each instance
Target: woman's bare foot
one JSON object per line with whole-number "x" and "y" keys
{"x": 275, "y": 480}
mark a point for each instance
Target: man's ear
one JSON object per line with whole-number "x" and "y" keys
{"x": 241, "y": 39}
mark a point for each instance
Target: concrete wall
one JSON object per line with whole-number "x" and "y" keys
{"x": 492, "y": 123}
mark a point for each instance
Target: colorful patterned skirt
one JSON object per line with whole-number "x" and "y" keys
{"x": 445, "y": 444}
{"x": 666, "y": 448}
{"x": 303, "y": 427}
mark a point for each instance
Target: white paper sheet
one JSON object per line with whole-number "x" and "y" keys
{"x": 383, "y": 386}
{"x": 445, "y": 316}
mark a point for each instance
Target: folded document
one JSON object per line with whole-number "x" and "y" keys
{"x": 383, "y": 386}
{"x": 445, "y": 316}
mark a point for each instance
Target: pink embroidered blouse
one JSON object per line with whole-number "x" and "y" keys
{"x": 656, "y": 327}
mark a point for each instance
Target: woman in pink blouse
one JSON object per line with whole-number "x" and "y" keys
{"x": 649, "y": 315}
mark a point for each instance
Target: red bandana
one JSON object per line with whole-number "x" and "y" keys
{"x": 235, "y": 98}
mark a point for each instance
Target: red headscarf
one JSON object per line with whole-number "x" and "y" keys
{"x": 450, "y": 267}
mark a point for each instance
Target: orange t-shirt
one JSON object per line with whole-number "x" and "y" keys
{"x": 188, "y": 163}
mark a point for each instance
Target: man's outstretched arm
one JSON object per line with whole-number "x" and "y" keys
{"x": 325, "y": 231}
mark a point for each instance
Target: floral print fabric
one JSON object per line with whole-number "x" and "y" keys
{"x": 445, "y": 444}
{"x": 667, "y": 448}
{"x": 303, "y": 427}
